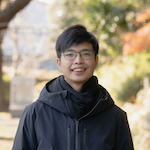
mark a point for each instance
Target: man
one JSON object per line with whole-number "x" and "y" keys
{"x": 74, "y": 112}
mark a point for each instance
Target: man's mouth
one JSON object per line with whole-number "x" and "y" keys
{"x": 78, "y": 69}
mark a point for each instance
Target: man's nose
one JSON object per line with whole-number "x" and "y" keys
{"x": 78, "y": 59}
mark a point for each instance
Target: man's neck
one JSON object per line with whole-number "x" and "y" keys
{"x": 76, "y": 87}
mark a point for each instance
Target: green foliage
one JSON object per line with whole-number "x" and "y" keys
{"x": 125, "y": 79}
{"x": 73, "y": 13}
{"x": 108, "y": 21}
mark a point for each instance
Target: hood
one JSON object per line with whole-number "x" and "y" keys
{"x": 57, "y": 100}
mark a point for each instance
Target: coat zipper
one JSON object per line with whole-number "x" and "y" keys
{"x": 85, "y": 136}
{"x": 77, "y": 131}
{"x": 68, "y": 138}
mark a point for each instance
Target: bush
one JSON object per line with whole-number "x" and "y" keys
{"x": 124, "y": 79}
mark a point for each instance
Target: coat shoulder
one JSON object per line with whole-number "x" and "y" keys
{"x": 117, "y": 111}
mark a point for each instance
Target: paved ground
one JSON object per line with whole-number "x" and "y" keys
{"x": 8, "y": 127}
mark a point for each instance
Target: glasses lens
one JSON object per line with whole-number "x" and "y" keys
{"x": 86, "y": 54}
{"x": 69, "y": 54}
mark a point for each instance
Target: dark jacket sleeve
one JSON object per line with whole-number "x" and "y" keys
{"x": 25, "y": 138}
{"x": 123, "y": 135}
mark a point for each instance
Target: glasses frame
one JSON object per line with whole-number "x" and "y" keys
{"x": 79, "y": 53}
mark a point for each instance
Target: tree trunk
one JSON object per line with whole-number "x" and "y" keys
{"x": 10, "y": 11}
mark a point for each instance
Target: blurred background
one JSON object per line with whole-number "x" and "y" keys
{"x": 28, "y": 32}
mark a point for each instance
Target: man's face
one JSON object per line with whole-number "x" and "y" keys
{"x": 78, "y": 70}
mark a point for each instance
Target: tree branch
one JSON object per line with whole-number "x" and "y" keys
{"x": 9, "y": 12}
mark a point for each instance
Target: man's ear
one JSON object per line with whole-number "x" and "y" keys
{"x": 59, "y": 63}
{"x": 96, "y": 61}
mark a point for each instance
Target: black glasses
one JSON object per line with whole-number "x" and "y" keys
{"x": 71, "y": 54}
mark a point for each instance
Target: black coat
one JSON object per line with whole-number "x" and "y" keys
{"x": 48, "y": 125}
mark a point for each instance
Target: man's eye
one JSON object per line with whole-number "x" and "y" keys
{"x": 69, "y": 54}
{"x": 86, "y": 54}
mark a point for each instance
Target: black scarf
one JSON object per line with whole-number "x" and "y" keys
{"x": 80, "y": 102}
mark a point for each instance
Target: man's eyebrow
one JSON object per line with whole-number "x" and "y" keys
{"x": 67, "y": 50}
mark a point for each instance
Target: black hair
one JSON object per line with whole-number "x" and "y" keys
{"x": 75, "y": 35}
